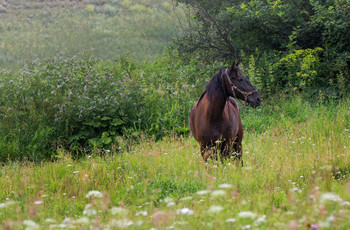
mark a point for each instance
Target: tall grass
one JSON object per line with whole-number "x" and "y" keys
{"x": 296, "y": 174}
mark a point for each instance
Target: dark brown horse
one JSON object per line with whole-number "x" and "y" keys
{"x": 215, "y": 121}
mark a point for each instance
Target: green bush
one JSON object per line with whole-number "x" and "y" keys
{"x": 83, "y": 103}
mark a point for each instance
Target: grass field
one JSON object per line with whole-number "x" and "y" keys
{"x": 296, "y": 175}
{"x": 296, "y": 150}
{"x": 109, "y": 28}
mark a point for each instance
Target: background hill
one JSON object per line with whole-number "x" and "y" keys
{"x": 110, "y": 28}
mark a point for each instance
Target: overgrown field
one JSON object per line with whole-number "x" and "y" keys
{"x": 109, "y": 28}
{"x": 296, "y": 174}
{"x": 100, "y": 140}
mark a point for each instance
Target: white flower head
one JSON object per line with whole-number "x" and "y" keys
{"x": 168, "y": 199}
{"x": 83, "y": 221}
{"x": 247, "y": 214}
{"x": 38, "y": 202}
{"x": 203, "y": 192}
{"x": 345, "y": 203}
{"x": 184, "y": 211}
{"x": 122, "y": 223}
{"x": 94, "y": 193}
{"x": 141, "y": 213}
{"x": 119, "y": 211}
{"x": 89, "y": 211}
{"x": 171, "y": 204}
{"x": 215, "y": 209}
{"x": 186, "y": 198}
{"x": 217, "y": 193}
{"x": 230, "y": 220}
{"x": 31, "y": 225}
{"x": 225, "y": 186}
{"x": 49, "y": 220}
{"x": 260, "y": 220}
{"x": 329, "y": 196}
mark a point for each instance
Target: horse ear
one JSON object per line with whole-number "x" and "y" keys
{"x": 238, "y": 61}
{"x": 234, "y": 65}
{"x": 231, "y": 67}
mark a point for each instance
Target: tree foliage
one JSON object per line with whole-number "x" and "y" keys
{"x": 272, "y": 31}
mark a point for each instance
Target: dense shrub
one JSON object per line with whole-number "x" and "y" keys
{"x": 82, "y": 103}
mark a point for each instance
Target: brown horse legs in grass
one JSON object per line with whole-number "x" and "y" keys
{"x": 215, "y": 121}
{"x": 223, "y": 147}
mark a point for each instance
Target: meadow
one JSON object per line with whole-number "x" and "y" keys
{"x": 108, "y": 29}
{"x": 94, "y": 128}
{"x": 296, "y": 175}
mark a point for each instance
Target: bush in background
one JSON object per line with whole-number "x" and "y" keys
{"x": 82, "y": 103}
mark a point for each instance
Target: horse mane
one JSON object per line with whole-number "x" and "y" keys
{"x": 201, "y": 96}
{"x": 214, "y": 87}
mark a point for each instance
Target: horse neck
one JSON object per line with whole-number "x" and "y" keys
{"x": 216, "y": 105}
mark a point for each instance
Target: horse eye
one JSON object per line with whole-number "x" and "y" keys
{"x": 241, "y": 79}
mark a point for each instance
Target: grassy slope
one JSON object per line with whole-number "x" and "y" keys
{"x": 32, "y": 29}
{"x": 290, "y": 168}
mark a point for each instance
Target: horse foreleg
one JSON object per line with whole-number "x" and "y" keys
{"x": 239, "y": 152}
{"x": 207, "y": 153}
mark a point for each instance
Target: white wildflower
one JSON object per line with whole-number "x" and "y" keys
{"x": 247, "y": 214}
{"x": 225, "y": 186}
{"x": 167, "y": 200}
{"x": 323, "y": 224}
{"x": 38, "y": 202}
{"x": 345, "y": 203}
{"x": 141, "y": 213}
{"x": 94, "y": 193}
{"x": 170, "y": 204}
{"x": 260, "y": 220}
{"x": 49, "y": 220}
{"x": 75, "y": 172}
{"x": 67, "y": 221}
{"x": 122, "y": 223}
{"x": 215, "y": 209}
{"x": 230, "y": 220}
{"x": 186, "y": 198}
{"x": 89, "y": 211}
{"x": 119, "y": 211}
{"x": 329, "y": 196}
{"x": 7, "y": 203}
{"x": 246, "y": 226}
{"x": 30, "y": 225}
{"x": 139, "y": 223}
{"x": 331, "y": 218}
{"x": 184, "y": 211}
{"x": 217, "y": 193}
{"x": 83, "y": 221}
{"x": 203, "y": 192}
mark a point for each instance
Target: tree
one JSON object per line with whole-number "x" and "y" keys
{"x": 274, "y": 29}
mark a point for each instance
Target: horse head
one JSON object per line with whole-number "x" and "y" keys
{"x": 240, "y": 87}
